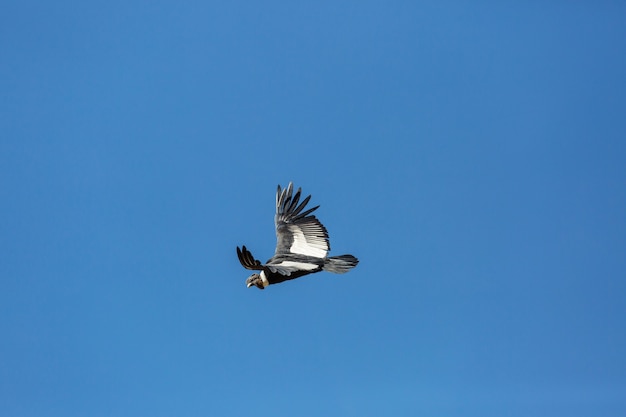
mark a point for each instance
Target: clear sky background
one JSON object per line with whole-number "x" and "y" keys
{"x": 472, "y": 155}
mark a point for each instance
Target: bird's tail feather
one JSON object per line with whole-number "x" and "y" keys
{"x": 340, "y": 264}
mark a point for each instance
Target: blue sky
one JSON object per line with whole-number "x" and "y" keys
{"x": 471, "y": 155}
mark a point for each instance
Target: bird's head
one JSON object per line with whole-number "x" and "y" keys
{"x": 255, "y": 279}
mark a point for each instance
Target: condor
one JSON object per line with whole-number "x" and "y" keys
{"x": 301, "y": 248}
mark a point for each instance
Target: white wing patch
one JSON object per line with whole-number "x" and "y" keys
{"x": 307, "y": 245}
{"x": 299, "y": 265}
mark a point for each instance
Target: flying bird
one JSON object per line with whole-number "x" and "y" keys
{"x": 301, "y": 248}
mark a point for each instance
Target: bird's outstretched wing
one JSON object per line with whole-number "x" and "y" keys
{"x": 296, "y": 232}
{"x": 247, "y": 260}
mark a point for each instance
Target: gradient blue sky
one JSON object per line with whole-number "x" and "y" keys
{"x": 472, "y": 155}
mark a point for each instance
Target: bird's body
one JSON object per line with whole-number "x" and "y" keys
{"x": 301, "y": 248}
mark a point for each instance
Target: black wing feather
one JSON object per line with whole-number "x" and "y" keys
{"x": 247, "y": 260}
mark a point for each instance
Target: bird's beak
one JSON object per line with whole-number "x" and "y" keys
{"x": 249, "y": 284}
